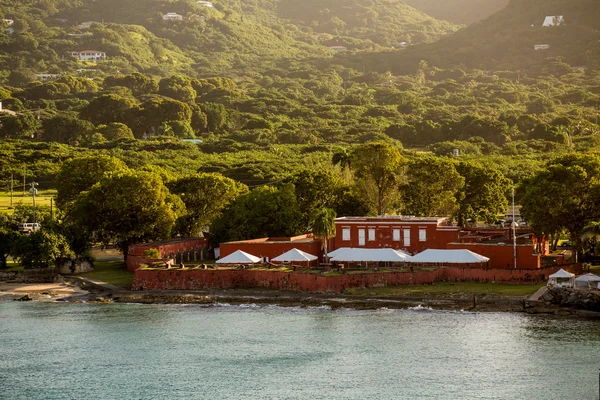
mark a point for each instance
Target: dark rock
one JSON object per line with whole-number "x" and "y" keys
{"x": 24, "y": 298}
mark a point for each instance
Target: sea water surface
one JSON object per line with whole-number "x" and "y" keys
{"x": 125, "y": 351}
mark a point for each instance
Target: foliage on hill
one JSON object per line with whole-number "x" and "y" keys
{"x": 458, "y": 11}
{"x": 505, "y": 40}
{"x": 232, "y": 37}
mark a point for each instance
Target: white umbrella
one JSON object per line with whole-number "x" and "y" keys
{"x": 458, "y": 256}
{"x": 373, "y": 255}
{"x": 295, "y": 255}
{"x": 239, "y": 257}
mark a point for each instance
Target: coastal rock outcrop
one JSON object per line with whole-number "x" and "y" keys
{"x": 581, "y": 299}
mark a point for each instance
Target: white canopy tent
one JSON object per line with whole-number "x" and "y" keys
{"x": 587, "y": 281}
{"x": 458, "y": 256}
{"x": 295, "y": 255}
{"x": 239, "y": 257}
{"x": 351, "y": 254}
{"x": 561, "y": 278}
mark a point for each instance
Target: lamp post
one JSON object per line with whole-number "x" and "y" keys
{"x": 33, "y": 192}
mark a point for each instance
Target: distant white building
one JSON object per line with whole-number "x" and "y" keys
{"x": 8, "y": 21}
{"x": 205, "y": 4}
{"x": 338, "y": 48}
{"x": 4, "y": 111}
{"x": 541, "y": 46}
{"x": 554, "y": 20}
{"x": 172, "y": 17}
{"x": 89, "y": 55}
{"x": 402, "y": 44}
{"x": 47, "y": 77}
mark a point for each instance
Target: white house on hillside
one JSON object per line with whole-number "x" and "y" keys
{"x": 47, "y": 77}
{"x": 89, "y": 55}
{"x": 541, "y": 46}
{"x": 172, "y": 17}
{"x": 5, "y": 111}
{"x": 554, "y": 20}
{"x": 206, "y": 4}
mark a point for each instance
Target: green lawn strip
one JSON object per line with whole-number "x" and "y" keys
{"x": 449, "y": 288}
{"x": 42, "y": 199}
{"x": 113, "y": 272}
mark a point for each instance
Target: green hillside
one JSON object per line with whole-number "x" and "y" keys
{"x": 505, "y": 40}
{"x": 230, "y": 38}
{"x": 458, "y": 11}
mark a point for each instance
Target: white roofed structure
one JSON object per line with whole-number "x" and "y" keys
{"x": 348, "y": 254}
{"x": 458, "y": 256}
{"x": 239, "y": 257}
{"x": 587, "y": 281}
{"x": 561, "y": 278}
{"x": 295, "y": 255}
{"x": 554, "y": 20}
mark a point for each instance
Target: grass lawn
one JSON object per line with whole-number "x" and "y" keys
{"x": 113, "y": 272}
{"x": 42, "y": 199}
{"x": 448, "y": 288}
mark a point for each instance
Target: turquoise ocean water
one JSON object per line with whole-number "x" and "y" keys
{"x": 121, "y": 351}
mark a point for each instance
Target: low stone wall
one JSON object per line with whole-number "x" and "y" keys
{"x": 581, "y": 299}
{"x": 75, "y": 267}
{"x": 42, "y": 275}
{"x": 195, "y": 279}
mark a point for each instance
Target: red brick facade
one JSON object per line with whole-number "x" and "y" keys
{"x": 196, "y": 279}
{"x": 501, "y": 255}
{"x": 179, "y": 250}
{"x": 269, "y": 248}
{"x": 410, "y": 234}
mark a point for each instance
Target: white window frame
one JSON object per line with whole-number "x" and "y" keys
{"x": 346, "y": 236}
{"x": 371, "y": 237}
{"x": 422, "y": 234}
{"x": 406, "y": 236}
{"x": 396, "y": 234}
{"x": 361, "y": 237}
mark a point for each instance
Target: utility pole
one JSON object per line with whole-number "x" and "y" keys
{"x": 33, "y": 192}
{"x": 51, "y": 209}
{"x": 24, "y": 175}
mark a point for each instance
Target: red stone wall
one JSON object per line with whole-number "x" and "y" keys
{"x": 502, "y": 256}
{"x": 177, "y": 279}
{"x": 177, "y": 246}
{"x": 272, "y": 249}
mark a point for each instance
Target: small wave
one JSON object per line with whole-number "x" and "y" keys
{"x": 420, "y": 308}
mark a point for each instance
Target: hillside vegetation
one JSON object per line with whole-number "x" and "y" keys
{"x": 232, "y": 37}
{"x": 458, "y": 11}
{"x": 505, "y": 40}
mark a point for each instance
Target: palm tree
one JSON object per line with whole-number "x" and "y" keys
{"x": 322, "y": 223}
{"x": 591, "y": 231}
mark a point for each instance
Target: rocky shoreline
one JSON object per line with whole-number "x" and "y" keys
{"x": 78, "y": 291}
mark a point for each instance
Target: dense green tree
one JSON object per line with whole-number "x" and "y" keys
{"x": 126, "y": 208}
{"x": 484, "y": 195}
{"x": 80, "y": 174}
{"x": 314, "y": 190}
{"x": 40, "y": 249}
{"x": 263, "y": 212}
{"x": 139, "y": 84}
{"x": 107, "y": 108}
{"x": 204, "y": 195}
{"x": 65, "y": 128}
{"x": 379, "y": 169}
{"x": 431, "y": 188}
{"x": 21, "y": 126}
{"x": 116, "y": 131}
